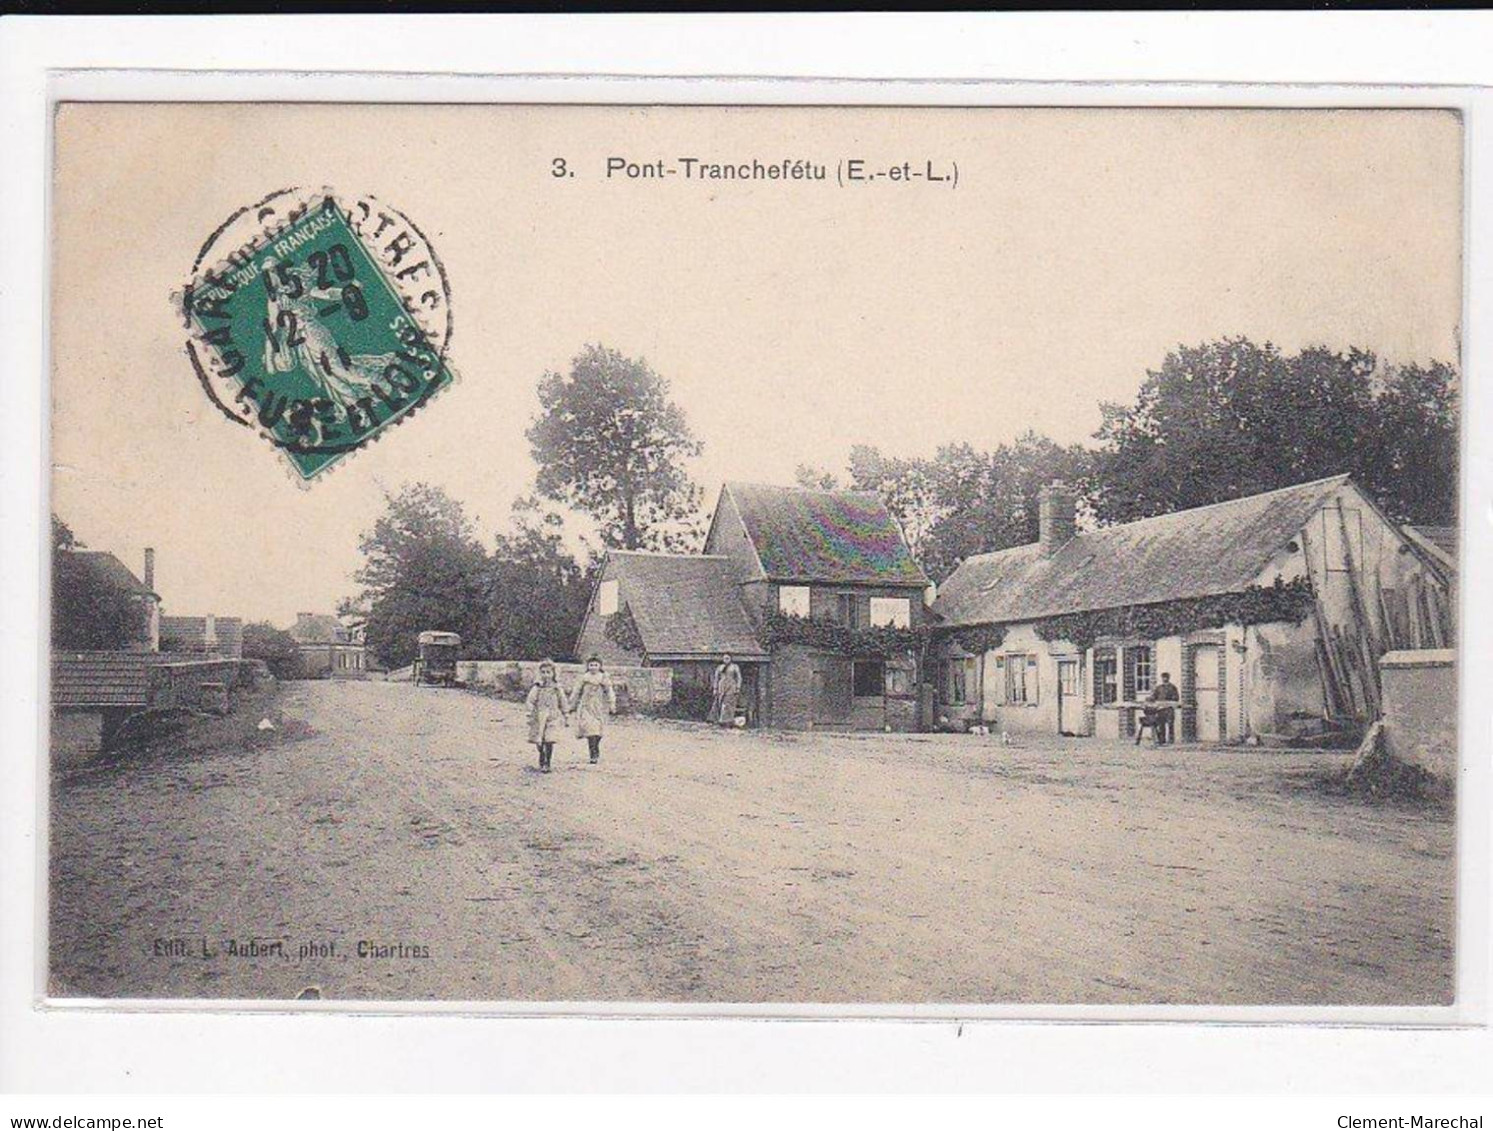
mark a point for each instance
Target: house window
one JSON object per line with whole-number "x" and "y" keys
{"x": 607, "y": 598}
{"x": 793, "y": 600}
{"x": 1021, "y": 678}
{"x": 1106, "y": 677}
{"x": 1141, "y": 669}
{"x": 892, "y": 612}
{"x": 870, "y": 678}
{"x": 847, "y": 610}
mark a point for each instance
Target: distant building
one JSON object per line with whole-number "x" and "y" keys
{"x": 788, "y": 585}
{"x": 1008, "y": 619}
{"x": 330, "y": 646}
{"x": 205, "y": 636}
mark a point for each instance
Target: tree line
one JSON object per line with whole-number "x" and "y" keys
{"x": 1213, "y": 422}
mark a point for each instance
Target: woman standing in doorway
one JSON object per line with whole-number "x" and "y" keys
{"x": 546, "y": 703}
{"x": 725, "y": 689}
{"x": 593, "y": 700}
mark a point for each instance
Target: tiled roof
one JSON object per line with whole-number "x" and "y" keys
{"x": 1194, "y": 553}
{"x": 100, "y": 679}
{"x": 318, "y": 628}
{"x": 110, "y": 570}
{"x": 684, "y": 604}
{"x": 830, "y": 536}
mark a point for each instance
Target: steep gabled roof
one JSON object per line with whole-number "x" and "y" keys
{"x": 1193, "y": 553}
{"x": 827, "y": 536}
{"x": 685, "y": 605}
{"x": 110, "y": 570}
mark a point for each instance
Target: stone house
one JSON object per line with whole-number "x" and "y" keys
{"x": 330, "y": 647}
{"x": 1269, "y": 612}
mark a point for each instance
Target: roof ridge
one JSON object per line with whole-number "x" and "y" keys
{"x": 668, "y": 554}
{"x": 1344, "y": 477}
{"x": 797, "y": 489}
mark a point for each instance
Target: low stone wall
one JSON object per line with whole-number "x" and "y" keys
{"x": 204, "y": 685}
{"x": 1420, "y": 709}
{"x": 638, "y": 689}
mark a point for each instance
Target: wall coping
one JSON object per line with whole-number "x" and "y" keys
{"x": 1419, "y": 658}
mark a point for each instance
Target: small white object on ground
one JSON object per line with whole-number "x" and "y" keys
{"x": 265, "y": 724}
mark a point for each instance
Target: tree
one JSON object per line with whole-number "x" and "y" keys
{"x": 610, "y": 442}
{"x": 1231, "y": 418}
{"x": 538, "y": 592}
{"x": 907, "y": 486}
{"x": 815, "y": 478}
{"x": 990, "y": 500}
{"x": 423, "y": 569}
{"x": 964, "y": 501}
{"x": 89, "y": 612}
{"x": 1409, "y": 462}
{"x": 276, "y": 647}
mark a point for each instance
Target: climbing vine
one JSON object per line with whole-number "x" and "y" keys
{"x": 980, "y": 638}
{"x": 829, "y": 636}
{"x": 1288, "y": 601}
{"x": 622, "y": 630}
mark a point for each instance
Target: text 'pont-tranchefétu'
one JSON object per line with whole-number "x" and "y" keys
{"x": 846, "y": 172}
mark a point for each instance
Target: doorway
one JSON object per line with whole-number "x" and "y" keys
{"x": 1207, "y": 691}
{"x": 1070, "y": 698}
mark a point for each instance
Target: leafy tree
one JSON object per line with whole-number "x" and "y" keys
{"x": 1231, "y": 418}
{"x": 989, "y": 500}
{"x": 89, "y": 612}
{"x": 964, "y": 501}
{"x": 538, "y": 592}
{"x": 1409, "y": 463}
{"x": 815, "y": 478}
{"x": 909, "y": 488}
{"x": 423, "y": 569}
{"x": 610, "y": 442}
{"x": 276, "y": 647}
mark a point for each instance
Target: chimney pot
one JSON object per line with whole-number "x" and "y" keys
{"x": 1057, "y": 519}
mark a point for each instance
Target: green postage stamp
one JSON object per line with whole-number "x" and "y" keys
{"x": 322, "y": 323}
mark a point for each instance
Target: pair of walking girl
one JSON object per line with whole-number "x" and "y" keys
{"x": 550, "y": 709}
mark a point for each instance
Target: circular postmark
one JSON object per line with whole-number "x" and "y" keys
{"x": 318, "y": 319}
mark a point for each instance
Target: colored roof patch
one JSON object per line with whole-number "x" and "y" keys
{"x": 1194, "y": 553}
{"x": 826, "y": 536}
{"x": 684, "y": 604}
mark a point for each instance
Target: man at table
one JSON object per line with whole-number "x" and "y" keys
{"x": 1163, "y": 696}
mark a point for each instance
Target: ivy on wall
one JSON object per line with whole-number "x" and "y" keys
{"x": 622, "y": 630}
{"x": 1288, "y": 601}
{"x": 979, "y": 639}
{"x": 828, "y": 636}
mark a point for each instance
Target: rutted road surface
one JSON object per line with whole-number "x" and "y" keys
{"x": 697, "y": 865}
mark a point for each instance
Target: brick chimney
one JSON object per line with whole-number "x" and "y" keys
{"x": 150, "y": 569}
{"x": 1056, "y": 516}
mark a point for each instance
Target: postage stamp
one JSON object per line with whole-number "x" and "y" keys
{"x": 318, "y": 321}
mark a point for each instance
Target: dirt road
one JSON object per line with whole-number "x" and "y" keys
{"x": 397, "y": 844}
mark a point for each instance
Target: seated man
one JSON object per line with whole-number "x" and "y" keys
{"x": 1164, "y": 696}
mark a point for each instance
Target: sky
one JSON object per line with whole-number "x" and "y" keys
{"x": 793, "y": 319}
